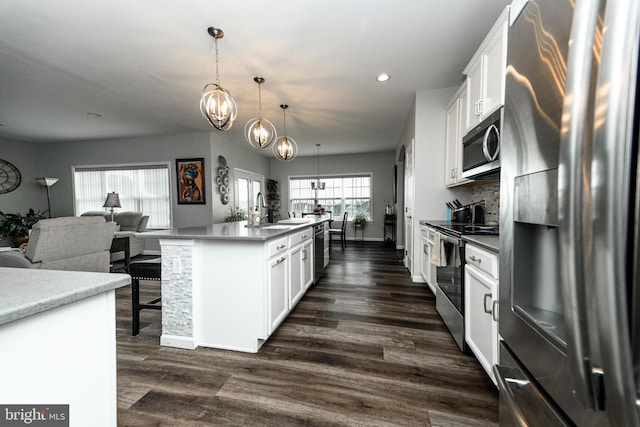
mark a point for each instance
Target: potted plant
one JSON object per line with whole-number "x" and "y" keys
{"x": 235, "y": 214}
{"x": 360, "y": 219}
{"x": 17, "y": 226}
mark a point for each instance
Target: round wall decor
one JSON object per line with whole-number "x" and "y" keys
{"x": 9, "y": 177}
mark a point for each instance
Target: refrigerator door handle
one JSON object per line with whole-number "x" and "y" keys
{"x": 615, "y": 210}
{"x": 574, "y": 136}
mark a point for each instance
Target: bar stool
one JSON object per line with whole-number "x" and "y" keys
{"x": 143, "y": 270}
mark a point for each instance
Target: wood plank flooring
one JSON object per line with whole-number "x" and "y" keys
{"x": 365, "y": 346}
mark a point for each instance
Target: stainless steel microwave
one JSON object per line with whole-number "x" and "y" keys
{"x": 481, "y": 147}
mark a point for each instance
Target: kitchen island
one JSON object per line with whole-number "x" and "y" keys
{"x": 229, "y": 286}
{"x": 58, "y": 343}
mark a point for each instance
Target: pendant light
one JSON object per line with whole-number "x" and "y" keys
{"x": 285, "y": 148}
{"x": 259, "y": 133}
{"x": 318, "y": 185}
{"x": 216, "y": 104}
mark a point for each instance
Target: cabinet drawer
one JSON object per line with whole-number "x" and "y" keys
{"x": 276, "y": 246}
{"x": 300, "y": 236}
{"x": 428, "y": 233}
{"x": 482, "y": 259}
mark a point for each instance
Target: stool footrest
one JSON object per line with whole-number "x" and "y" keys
{"x": 143, "y": 270}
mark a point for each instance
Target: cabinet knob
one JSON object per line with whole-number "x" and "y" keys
{"x": 474, "y": 259}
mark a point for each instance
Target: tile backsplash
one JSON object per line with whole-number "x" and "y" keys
{"x": 490, "y": 193}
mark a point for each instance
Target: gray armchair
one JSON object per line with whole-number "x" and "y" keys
{"x": 66, "y": 243}
{"x": 128, "y": 223}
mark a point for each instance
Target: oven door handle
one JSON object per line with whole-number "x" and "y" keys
{"x": 450, "y": 239}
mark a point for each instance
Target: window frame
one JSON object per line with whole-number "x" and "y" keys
{"x": 335, "y": 215}
{"x": 126, "y": 167}
{"x": 251, "y": 178}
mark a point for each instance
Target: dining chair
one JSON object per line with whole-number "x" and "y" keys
{"x": 342, "y": 231}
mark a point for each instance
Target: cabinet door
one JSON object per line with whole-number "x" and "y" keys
{"x": 481, "y": 329}
{"x": 474, "y": 94}
{"x": 307, "y": 264}
{"x": 296, "y": 287}
{"x": 494, "y": 65}
{"x": 277, "y": 291}
{"x": 425, "y": 260}
{"x": 452, "y": 140}
{"x": 456, "y": 119}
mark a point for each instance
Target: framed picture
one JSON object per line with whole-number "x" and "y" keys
{"x": 191, "y": 181}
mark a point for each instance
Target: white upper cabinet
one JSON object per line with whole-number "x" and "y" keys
{"x": 456, "y": 119}
{"x": 486, "y": 74}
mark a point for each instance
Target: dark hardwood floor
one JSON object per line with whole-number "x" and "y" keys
{"x": 365, "y": 346}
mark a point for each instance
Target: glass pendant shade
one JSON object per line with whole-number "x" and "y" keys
{"x": 285, "y": 148}
{"x": 260, "y": 133}
{"x": 216, "y": 104}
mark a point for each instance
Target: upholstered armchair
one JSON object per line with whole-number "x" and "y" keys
{"x": 65, "y": 243}
{"x": 128, "y": 223}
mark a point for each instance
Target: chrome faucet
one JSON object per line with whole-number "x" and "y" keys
{"x": 260, "y": 206}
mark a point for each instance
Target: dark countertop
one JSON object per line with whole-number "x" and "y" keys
{"x": 491, "y": 243}
{"x": 462, "y": 228}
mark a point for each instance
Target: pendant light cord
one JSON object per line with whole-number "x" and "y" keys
{"x": 259, "y": 101}
{"x": 215, "y": 41}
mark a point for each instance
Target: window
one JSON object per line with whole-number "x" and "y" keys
{"x": 142, "y": 188}
{"x": 342, "y": 193}
{"x": 248, "y": 185}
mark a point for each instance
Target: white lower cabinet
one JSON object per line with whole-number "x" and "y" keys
{"x": 296, "y": 287}
{"x": 481, "y": 304}
{"x": 277, "y": 282}
{"x": 307, "y": 265}
{"x": 427, "y": 269}
{"x": 300, "y": 265}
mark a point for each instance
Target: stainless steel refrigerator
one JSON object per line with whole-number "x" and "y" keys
{"x": 569, "y": 316}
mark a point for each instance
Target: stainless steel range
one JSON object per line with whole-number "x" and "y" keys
{"x": 448, "y": 257}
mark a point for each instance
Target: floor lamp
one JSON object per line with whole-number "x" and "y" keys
{"x": 47, "y": 182}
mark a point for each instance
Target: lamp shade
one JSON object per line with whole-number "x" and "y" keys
{"x": 47, "y": 182}
{"x": 113, "y": 201}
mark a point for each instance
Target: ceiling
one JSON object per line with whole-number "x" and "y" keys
{"x": 141, "y": 65}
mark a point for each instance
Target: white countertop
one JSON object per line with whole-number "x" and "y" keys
{"x": 25, "y": 292}
{"x": 230, "y": 231}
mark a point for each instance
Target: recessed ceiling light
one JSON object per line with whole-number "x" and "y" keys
{"x": 383, "y": 77}
{"x": 94, "y": 115}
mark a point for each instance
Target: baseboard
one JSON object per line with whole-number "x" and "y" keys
{"x": 176, "y": 341}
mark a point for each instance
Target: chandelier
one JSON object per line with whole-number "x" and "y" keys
{"x": 259, "y": 133}
{"x": 216, "y": 104}
{"x": 318, "y": 185}
{"x": 285, "y": 148}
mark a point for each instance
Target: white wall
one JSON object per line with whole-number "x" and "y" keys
{"x": 56, "y": 160}
{"x": 379, "y": 164}
{"x": 427, "y": 125}
{"x": 27, "y": 158}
